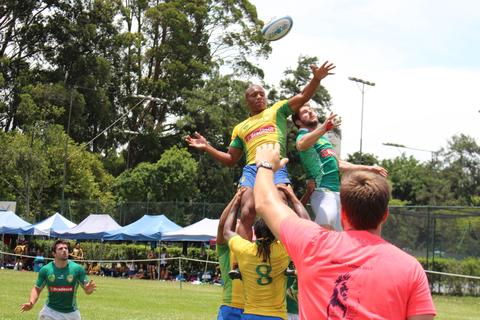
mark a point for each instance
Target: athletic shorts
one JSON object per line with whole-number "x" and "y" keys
{"x": 248, "y": 316}
{"x": 326, "y": 206}
{"x": 250, "y": 172}
{"x": 49, "y": 314}
{"x": 229, "y": 313}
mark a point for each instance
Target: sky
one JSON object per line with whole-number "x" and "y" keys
{"x": 422, "y": 55}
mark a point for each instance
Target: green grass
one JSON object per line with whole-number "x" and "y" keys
{"x": 142, "y": 299}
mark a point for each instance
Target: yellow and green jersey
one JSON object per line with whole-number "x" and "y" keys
{"x": 264, "y": 283}
{"x": 269, "y": 126}
{"x": 232, "y": 295}
{"x": 62, "y": 284}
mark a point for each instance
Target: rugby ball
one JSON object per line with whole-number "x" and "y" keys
{"x": 277, "y": 28}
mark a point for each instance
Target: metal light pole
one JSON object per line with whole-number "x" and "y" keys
{"x": 362, "y": 88}
{"x": 433, "y": 153}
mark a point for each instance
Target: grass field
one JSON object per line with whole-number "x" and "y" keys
{"x": 141, "y": 299}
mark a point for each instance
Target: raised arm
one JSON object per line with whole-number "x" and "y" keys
{"x": 345, "y": 166}
{"x": 230, "y": 220}
{"x": 297, "y": 206}
{"x": 307, "y": 93}
{"x": 268, "y": 203}
{"x": 310, "y": 188}
{"x": 34, "y": 294}
{"x": 232, "y": 206}
{"x": 229, "y": 158}
{"x": 309, "y": 139}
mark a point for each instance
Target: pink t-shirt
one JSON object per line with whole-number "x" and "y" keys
{"x": 353, "y": 275}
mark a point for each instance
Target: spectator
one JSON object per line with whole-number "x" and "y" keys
{"x": 132, "y": 270}
{"x": 20, "y": 249}
{"x": 39, "y": 261}
{"x": 94, "y": 269}
{"x": 77, "y": 252}
{"x": 163, "y": 264}
{"x": 151, "y": 264}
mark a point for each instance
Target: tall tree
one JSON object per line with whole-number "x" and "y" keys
{"x": 462, "y": 168}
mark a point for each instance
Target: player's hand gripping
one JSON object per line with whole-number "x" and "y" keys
{"x": 270, "y": 153}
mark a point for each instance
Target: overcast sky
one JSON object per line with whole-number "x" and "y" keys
{"x": 423, "y": 55}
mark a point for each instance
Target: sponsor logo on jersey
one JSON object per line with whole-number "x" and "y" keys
{"x": 51, "y": 277}
{"x": 60, "y": 289}
{"x": 327, "y": 153}
{"x": 260, "y": 132}
{"x": 70, "y": 278}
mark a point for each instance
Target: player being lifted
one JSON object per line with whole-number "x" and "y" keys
{"x": 265, "y": 125}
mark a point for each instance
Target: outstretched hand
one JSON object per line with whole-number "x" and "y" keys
{"x": 197, "y": 141}
{"x": 26, "y": 306}
{"x": 322, "y": 71}
{"x": 270, "y": 152}
{"x": 89, "y": 287}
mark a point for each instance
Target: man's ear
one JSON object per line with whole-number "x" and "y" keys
{"x": 385, "y": 216}
{"x": 344, "y": 220}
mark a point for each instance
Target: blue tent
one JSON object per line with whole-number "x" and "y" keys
{"x": 11, "y": 223}
{"x": 52, "y": 224}
{"x": 147, "y": 228}
{"x": 93, "y": 227}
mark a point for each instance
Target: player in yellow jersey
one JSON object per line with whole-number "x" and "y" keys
{"x": 232, "y": 295}
{"x": 263, "y": 264}
{"x": 265, "y": 125}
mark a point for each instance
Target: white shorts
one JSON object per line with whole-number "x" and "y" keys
{"x": 292, "y": 316}
{"x": 49, "y": 314}
{"x": 326, "y": 206}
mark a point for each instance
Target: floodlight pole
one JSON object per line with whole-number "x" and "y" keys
{"x": 362, "y": 89}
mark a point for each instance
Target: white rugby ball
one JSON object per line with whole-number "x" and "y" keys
{"x": 277, "y": 28}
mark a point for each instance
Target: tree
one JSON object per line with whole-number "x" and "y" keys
{"x": 462, "y": 168}
{"x": 33, "y": 170}
{"x": 173, "y": 177}
{"x": 368, "y": 159}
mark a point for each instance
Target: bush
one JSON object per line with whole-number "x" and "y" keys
{"x": 444, "y": 284}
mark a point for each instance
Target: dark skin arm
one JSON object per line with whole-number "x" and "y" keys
{"x": 308, "y": 192}
{"x": 307, "y": 93}
{"x": 229, "y": 158}
{"x": 232, "y": 207}
{"x": 297, "y": 205}
{"x": 230, "y": 221}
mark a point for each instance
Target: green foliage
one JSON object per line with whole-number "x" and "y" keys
{"x": 364, "y": 158}
{"x": 172, "y": 177}
{"x": 454, "y": 285}
{"x": 34, "y": 164}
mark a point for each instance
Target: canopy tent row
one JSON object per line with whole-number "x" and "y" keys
{"x": 52, "y": 224}
{"x": 103, "y": 227}
{"x": 11, "y": 223}
{"x": 147, "y": 228}
{"x": 95, "y": 226}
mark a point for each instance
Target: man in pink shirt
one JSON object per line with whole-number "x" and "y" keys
{"x": 353, "y": 274}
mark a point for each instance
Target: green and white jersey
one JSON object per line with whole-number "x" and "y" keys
{"x": 62, "y": 284}
{"x": 320, "y": 163}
